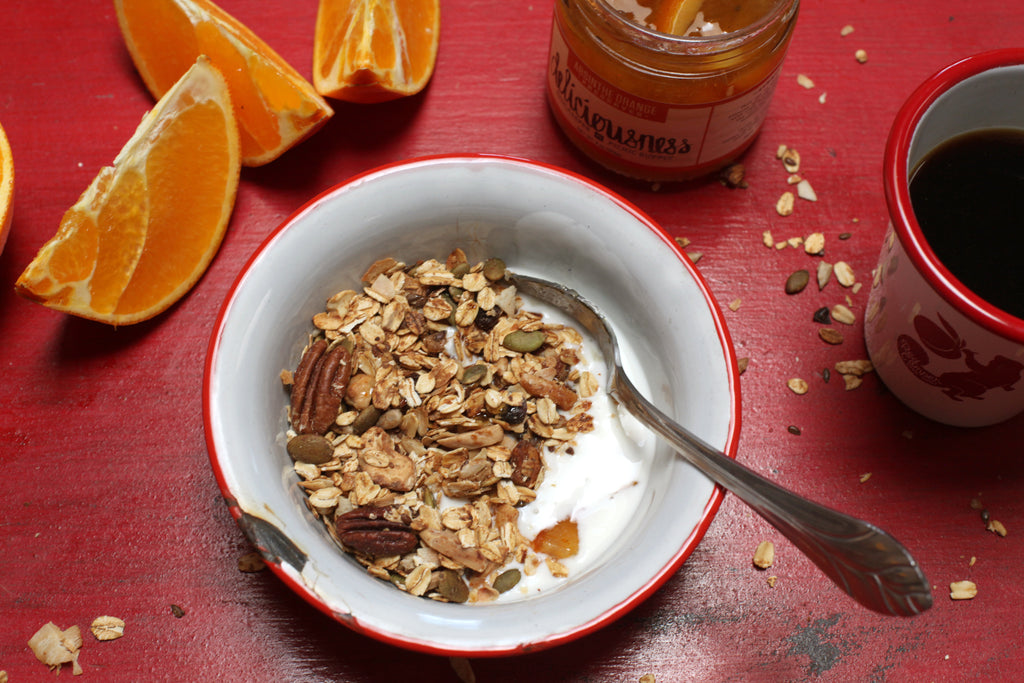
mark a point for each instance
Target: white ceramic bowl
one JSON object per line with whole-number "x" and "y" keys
{"x": 541, "y": 221}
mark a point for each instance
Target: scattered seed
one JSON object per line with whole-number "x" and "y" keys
{"x": 971, "y": 562}
{"x": 844, "y": 273}
{"x": 861, "y": 56}
{"x": 845, "y": 235}
{"x": 824, "y": 274}
{"x": 846, "y": 30}
{"x": 804, "y": 81}
{"x": 864, "y": 477}
{"x": 647, "y": 678}
{"x": 984, "y": 515}
{"x": 830, "y": 335}
{"x": 843, "y": 314}
{"x": 784, "y": 206}
{"x": 793, "y": 179}
{"x": 822, "y": 316}
{"x": 107, "y": 628}
{"x": 794, "y": 430}
{"x": 821, "y": 98}
{"x": 962, "y": 590}
{"x": 177, "y": 611}
{"x": 797, "y": 386}
{"x": 251, "y": 562}
{"x": 735, "y": 304}
{"x": 764, "y": 555}
{"x": 790, "y": 159}
{"x": 805, "y": 191}
{"x": 683, "y": 242}
{"x": 732, "y": 176}
{"x": 742, "y": 364}
{"x": 996, "y": 527}
{"x": 814, "y": 244}
{"x": 796, "y": 282}
{"x": 976, "y": 504}
{"x": 695, "y": 256}
{"x": 826, "y": 375}
{"x": 771, "y": 581}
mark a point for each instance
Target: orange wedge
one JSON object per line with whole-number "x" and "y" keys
{"x": 375, "y": 50}
{"x": 6, "y": 187}
{"x": 276, "y": 107}
{"x": 676, "y": 16}
{"x": 147, "y": 227}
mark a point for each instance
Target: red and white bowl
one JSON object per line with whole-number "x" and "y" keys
{"x": 542, "y": 221}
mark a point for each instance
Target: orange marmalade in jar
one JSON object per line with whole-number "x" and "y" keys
{"x": 644, "y": 101}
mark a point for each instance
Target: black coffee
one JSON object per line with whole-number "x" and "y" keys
{"x": 968, "y": 197}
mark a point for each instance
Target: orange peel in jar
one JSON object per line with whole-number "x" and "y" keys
{"x": 676, "y": 16}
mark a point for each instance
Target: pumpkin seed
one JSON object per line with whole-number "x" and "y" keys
{"x": 823, "y": 316}
{"x": 523, "y": 342}
{"x": 494, "y": 269}
{"x": 460, "y": 269}
{"x": 367, "y": 418}
{"x": 507, "y": 580}
{"x": 310, "y": 448}
{"x": 474, "y": 373}
{"x": 797, "y": 281}
{"x": 451, "y": 586}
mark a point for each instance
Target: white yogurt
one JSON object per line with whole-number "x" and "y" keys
{"x": 599, "y": 486}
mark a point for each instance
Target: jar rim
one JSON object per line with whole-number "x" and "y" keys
{"x": 783, "y": 10}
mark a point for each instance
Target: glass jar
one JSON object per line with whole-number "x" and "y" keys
{"x": 657, "y": 106}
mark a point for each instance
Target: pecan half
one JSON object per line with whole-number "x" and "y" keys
{"x": 322, "y": 389}
{"x": 368, "y": 531}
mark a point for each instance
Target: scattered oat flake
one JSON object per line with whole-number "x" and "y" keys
{"x": 844, "y": 273}
{"x": 861, "y": 56}
{"x": 766, "y": 239}
{"x": 735, "y": 304}
{"x": 107, "y": 628}
{"x": 793, "y": 179}
{"x": 764, "y": 554}
{"x": 843, "y": 314}
{"x": 251, "y": 562}
{"x": 962, "y": 590}
{"x": 54, "y": 647}
{"x": 682, "y": 242}
{"x": 864, "y": 477}
{"x": 695, "y": 256}
{"x": 851, "y": 382}
{"x": 996, "y": 527}
{"x": 733, "y": 176}
{"x": 815, "y": 243}
{"x": 647, "y": 678}
{"x": 854, "y": 367}
{"x": 846, "y": 30}
{"x": 771, "y": 581}
{"x": 784, "y": 206}
{"x": 795, "y": 241}
{"x": 797, "y": 386}
{"x": 805, "y": 191}
{"x": 804, "y": 81}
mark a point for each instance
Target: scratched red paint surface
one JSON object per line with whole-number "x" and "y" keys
{"x": 108, "y": 501}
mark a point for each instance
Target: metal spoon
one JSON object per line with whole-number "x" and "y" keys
{"x": 869, "y": 564}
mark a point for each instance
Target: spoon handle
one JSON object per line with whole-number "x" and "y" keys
{"x": 867, "y": 563}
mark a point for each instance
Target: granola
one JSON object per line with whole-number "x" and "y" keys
{"x": 420, "y": 414}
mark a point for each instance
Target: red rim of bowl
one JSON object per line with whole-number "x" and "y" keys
{"x": 896, "y": 181}
{"x": 614, "y": 612}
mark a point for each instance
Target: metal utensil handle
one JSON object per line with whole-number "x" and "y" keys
{"x": 867, "y": 563}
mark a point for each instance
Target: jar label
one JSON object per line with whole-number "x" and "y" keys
{"x": 647, "y": 133}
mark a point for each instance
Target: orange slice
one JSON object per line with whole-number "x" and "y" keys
{"x": 676, "y": 16}
{"x": 276, "y": 107}
{"x": 375, "y": 50}
{"x": 147, "y": 227}
{"x": 6, "y": 187}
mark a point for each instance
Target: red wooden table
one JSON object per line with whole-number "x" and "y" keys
{"x": 107, "y": 500}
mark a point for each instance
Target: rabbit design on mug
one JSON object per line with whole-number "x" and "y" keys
{"x": 946, "y": 343}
